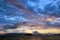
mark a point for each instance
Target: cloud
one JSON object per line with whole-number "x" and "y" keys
{"x": 29, "y": 13}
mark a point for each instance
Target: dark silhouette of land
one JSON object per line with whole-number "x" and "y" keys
{"x": 28, "y": 36}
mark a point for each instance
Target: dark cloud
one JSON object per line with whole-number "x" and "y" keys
{"x": 52, "y": 24}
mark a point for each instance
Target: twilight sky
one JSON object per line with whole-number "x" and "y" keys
{"x": 30, "y": 15}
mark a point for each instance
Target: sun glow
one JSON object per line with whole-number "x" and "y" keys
{"x": 31, "y": 30}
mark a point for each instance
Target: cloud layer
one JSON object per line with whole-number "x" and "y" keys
{"x": 30, "y": 13}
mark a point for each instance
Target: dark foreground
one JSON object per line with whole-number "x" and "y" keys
{"x": 29, "y": 37}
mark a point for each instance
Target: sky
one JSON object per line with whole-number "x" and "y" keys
{"x": 30, "y": 15}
